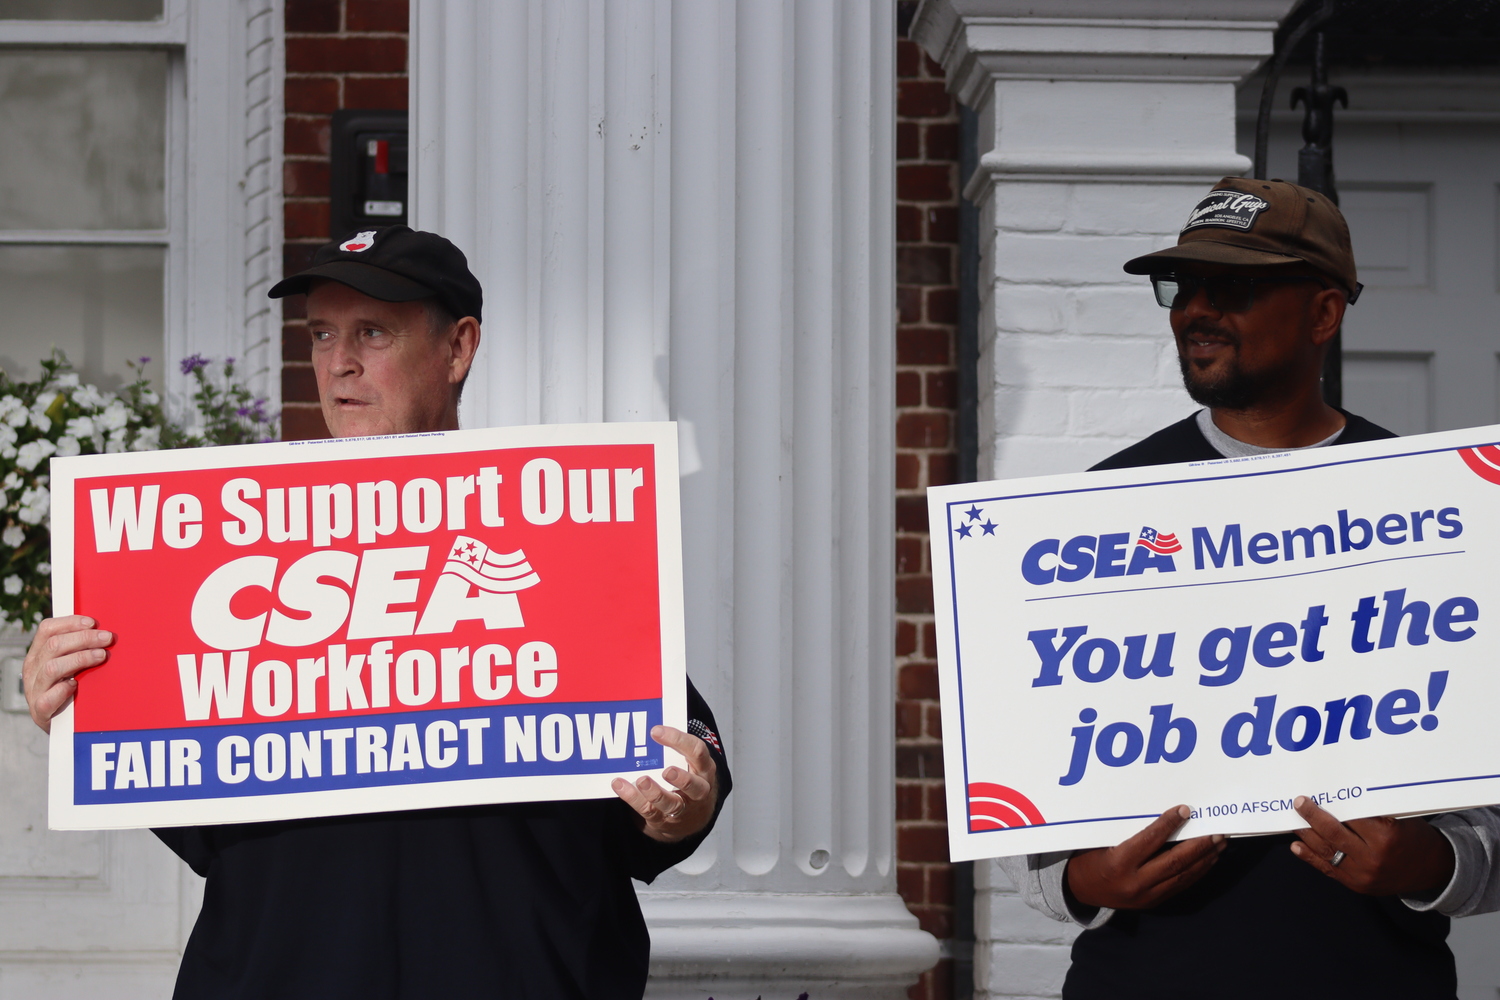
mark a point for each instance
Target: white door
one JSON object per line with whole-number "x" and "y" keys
{"x": 1418, "y": 165}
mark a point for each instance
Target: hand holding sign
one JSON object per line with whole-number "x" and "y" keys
{"x": 1142, "y": 872}
{"x": 673, "y": 816}
{"x": 62, "y": 648}
{"x": 1381, "y": 856}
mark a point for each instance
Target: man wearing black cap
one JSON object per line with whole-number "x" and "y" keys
{"x": 1257, "y": 286}
{"x": 526, "y": 900}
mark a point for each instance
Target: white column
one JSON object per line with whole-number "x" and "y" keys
{"x": 1100, "y": 125}
{"x": 684, "y": 210}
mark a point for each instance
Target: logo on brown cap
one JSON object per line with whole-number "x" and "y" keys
{"x": 1228, "y": 209}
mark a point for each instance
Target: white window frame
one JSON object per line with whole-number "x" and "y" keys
{"x": 223, "y": 234}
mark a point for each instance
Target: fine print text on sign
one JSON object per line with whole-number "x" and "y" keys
{"x": 332, "y": 627}
{"x": 1226, "y": 634}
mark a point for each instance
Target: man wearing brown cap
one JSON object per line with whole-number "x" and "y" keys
{"x": 1257, "y": 286}
{"x": 521, "y": 900}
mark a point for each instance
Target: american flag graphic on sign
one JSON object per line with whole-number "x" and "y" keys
{"x": 1159, "y": 543}
{"x": 496, "y": 572}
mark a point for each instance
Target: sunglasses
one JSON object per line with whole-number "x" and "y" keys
{"x": 1226, "y": 292}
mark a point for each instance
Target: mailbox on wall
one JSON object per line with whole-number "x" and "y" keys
{"x": 368, "y": 185}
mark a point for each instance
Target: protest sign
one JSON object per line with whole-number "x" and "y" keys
{"x": 330, "y": 627}
{"x": 1227, "y": 634}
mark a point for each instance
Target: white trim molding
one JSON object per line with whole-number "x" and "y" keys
{"x": 686, "y": 211}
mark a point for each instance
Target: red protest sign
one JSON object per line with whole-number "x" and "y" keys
{"x": 320, "y": 628}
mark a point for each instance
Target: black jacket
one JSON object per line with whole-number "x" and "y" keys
{"x": 1261, "y": 923}
{"x": 511, "y": 901}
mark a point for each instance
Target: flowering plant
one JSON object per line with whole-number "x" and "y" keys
{"x": 56, "y": 414}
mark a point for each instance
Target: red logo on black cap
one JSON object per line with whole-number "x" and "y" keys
{"x": 359, "y": 241}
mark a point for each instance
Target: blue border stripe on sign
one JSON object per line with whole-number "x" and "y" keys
{"x": 1434, "y": 781}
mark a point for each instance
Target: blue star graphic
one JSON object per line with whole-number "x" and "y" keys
{"x": 989, "y": 529}
{"x": 964, "y": 529}
{"x": 973, "y": 513}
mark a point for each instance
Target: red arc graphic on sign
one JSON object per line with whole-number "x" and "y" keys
{"x": 1484, "y": 461}
{"x": 997, "y": 807}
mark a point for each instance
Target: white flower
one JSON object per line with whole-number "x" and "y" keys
{"x": 44, "y": 567}
{"x": 7, "y": 451}
{"x": 12, "y": 585}
{"x": 114, "y": 417}
{"x": 148, "y": 439}
{"x": 81, "y": 427}
{"x": 149, "y": 397}
{"x": 89, "y": 398}
{"x": 33, "y": 452}
{"x": 12, "y": 480}
{"x": 67, "y": 446}
{"x": 41, "y": 422}
{"x": 115, "y": 444}
{"x": 68, "y": 380}
{"x": 34, "y": 505}
{"x": 13, "y": 411}
{"x": 13, "y": 536}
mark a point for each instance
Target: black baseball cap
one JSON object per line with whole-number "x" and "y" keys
{"x": 394, "y": 264}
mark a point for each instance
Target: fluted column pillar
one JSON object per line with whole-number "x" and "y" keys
{"x": 684, "y": 210}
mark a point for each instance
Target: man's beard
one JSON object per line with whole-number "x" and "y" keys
{"x": 1232, "y": 388}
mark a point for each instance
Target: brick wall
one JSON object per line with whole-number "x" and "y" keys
{"x": 339, "y": 54}
{"x": 927, "y": 152}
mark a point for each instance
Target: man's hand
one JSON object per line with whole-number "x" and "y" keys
{"x": 1142, "y": 872}
{"x": 62, "y": 648}
{"x": 671, "y": 816}
{"x": 1382, "y": 856}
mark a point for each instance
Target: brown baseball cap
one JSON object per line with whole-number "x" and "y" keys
{"x": 1247, "y": 222}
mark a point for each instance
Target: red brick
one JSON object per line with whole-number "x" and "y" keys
{"x": 377, "y": 15}
{"x": 346, "y": 55}
{"x": 922, "y": 843}
{"x": 305, "y": 178}
{"x": 942, "y": 141}
{"x": 923, "y": 347}
{"x": 931, "y": 67}
{"x": 296, "y": 346}
{"x": 908, "y": 560}
{"x": 937, "y": 796}
{"x": 908, "y": 389}
{"x": 908, "y": 472}
{"x": 307, "y": 137}
{"x": 942, "y": 305}
{"x": 942, "y": 224}
{"x": 942, "y": 389}
{"x": 302, "y": 423}
{"x": 306, "y": 219}
{"x": 923, "y": 181}
{"x": 922, "y": 430}
{"x": 911, "y": 514}
{"x": 935, "y": 920}
{"x": 924, "y": 265}
{"x": 929, "y": 639}
{"x": 383, "y": 92}
{"x": 298, "y": 384}
{"x": 312, "y": 95}
{"x": 908, "y": 141}
{"x": 936, "y": 983}
{"x": 939, "y": 883}
{"x": 908, "y": 224}
{"x": 922, "y": 99}
{"x": 911, "y": 880}
{"x": 315, "y": 16}
{"x": 908, "y": 725}
{"x": 908, "y": 59}
{"x": 908, "y": 303}
{"x": 918, "y": 680}
{"x": 914, "y": 596}
{"x": 922, "y": 761}
{"x": 942, "y": 469}
{"x": 906, "y": 632}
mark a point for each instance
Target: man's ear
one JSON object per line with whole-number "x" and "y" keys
{"x": 463, "y": 343}
{"x": 1326, "y": 311}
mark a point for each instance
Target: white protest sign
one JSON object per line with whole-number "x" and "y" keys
{"x": 1226, "y": 634}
